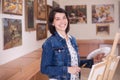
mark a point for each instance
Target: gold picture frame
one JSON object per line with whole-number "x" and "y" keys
{"x": 41, "y": 9}
{"x": 41, "y": 31}
{"x": 29, "y": 15}
{"x": 102, "y": 29}
{"x": 12, "y": 7}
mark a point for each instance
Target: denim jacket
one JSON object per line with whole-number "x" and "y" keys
{"x": 56, "y": 57}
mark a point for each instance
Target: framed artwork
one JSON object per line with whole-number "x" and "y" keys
{"x": 77, "y": 13}
{"x": 41, "y": 9}
{"x": 102, "y": 29}
{"x": 41, "y": 31}
{"x": 119, "y": 13}
{"x": 55, "y": 4}
{"x": 29, "y": 15}
{"x": 12, "y": 32}
{"x": 97, "y": 71}
{"x": 103, "y": 13}
{"x": 49, "y": 8}
{"x": 12, "y": 7}
{"x": 0, "y": 6}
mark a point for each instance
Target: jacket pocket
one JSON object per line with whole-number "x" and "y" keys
{"x": 59, "y": 54}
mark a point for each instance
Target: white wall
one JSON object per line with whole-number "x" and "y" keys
{"x": 80, "y": 31}
{"x": 29, "y": 42}
{"x": 88, "y": 31}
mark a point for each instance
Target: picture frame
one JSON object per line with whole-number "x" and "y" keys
{"x": 0, "y": 7}
{"x": 77, "y": 13}
{"x": 102, "y": 29}
{"x": 55, "y": 4}
{"x": 41, "y": 9}
{"x": 29, "y": 15}
{"x": 41, "y": 31}
{"x": 12, "y": 32}
{"x": 12, "y": 7}
{"x": 103, "y": 13}
{"x": 97, "y": 71}
{"x": 49, "y": 8}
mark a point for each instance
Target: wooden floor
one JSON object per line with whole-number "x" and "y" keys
{"x": 24, "y": 67}
{"x": 116, "y": 76}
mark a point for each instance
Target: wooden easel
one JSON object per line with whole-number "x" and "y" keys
{"x": 112, "y": 58}
{"x": 109, "y": 63}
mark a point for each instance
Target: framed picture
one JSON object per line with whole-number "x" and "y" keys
{"x": 102, "y": 29}
{"x": 12, "y": 7}
{"x": 12, "y": 32}
{"x": 103, "y": 13}
{"x": 97, "y": 71}
{"x": 29, "y": 15}
{"x": 77, "y": 13}
{"x": 49, "y": 8}
{"x": 55, "y": 4}
{"x": 41, "y": 9}
{"x": 0, "y": 7}
{"x": 41, "y": 31}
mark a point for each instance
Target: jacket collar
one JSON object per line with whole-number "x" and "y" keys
{"x": 60, "y": 37}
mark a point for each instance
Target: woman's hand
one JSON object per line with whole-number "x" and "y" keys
{"x": 74, "y": 70}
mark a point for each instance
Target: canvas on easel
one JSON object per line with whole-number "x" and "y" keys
{"x": 113, "y": 67}
{"x": 110, "y": 59}
{"x": 97, "y": 71}
{"x": 105, "y": 70}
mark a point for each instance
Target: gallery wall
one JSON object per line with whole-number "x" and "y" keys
{"x": 29, "y": 42}
{"x": 88, "y": 30}
{"x": 80, "y": 31}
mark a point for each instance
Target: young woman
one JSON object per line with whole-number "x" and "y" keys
{"x": 60, "y": 57}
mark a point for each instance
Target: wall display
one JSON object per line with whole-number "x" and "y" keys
{"x": 41, "y": 9}
{"x": 41, "y": 31}
{"x": 103, "y": 13}
{"x": 102, "y": 29}
{"x": 29, "y": 15}
{"x": 49, "y": 8}
{"x": 77, "y": 13}
{"x": 55, "y": 4}
{"x": 119, "y": 13}
{"x": 12, "y": 32}
{"x": 12, "y": 7}
{"x": 0, "y": 6}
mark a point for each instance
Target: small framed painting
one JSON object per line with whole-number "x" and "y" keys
{"x": 29, "y": 15}
{"x": 41, "y": 9}
{"x": 41, "y": 31}
{"x": 102, "y": 29}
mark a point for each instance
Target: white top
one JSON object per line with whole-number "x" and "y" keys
{"x": 74, "y": 60}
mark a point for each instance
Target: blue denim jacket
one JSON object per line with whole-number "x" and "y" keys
{"x": 56, "y": 57}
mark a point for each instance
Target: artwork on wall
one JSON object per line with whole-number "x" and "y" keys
{"x": 119, "y": 14}
{"x": 77, "y": 13}
{"x": 12, "y": 32}
{"x": 49, "y": 8}
{"x": 103, "y": 13}
{"x": 12, "y": 7}
{"x": 0, "y": 6}
{"x": 41, "y": 9}
{"x": 29, "y": 15}
{"x": 55, "y": 4}
{"x": 102, "y": 30}
{"x": 41, "y": 31}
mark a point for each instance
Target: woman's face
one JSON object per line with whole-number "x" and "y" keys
{"x": 60, "y": 22}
